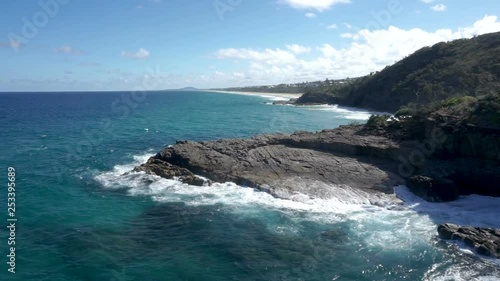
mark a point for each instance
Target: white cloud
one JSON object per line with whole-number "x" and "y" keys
{"x": 439, "y": 8}
{"x": 427, "y": 1}
{"x": 139, "y": 54}
{"x": 66, "y": 49}
{"x": 332, "y": 26}
{"x": 319, "y": 5}
{"x": 310, "y": 15}
{"x": 350, "y": 35}
{"x": 298, "y": 49}
{"x": 267, "y": 56}
{"x": 370, "y": 50}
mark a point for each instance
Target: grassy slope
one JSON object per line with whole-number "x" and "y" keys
{"x": 459, "y": 68}
{"x": 465, "y": 67}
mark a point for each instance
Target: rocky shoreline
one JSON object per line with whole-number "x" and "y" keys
{"x": 446, "y": 163}
{"x": 485, "y": 241}
{"x": 439, "y": 162}
{"x": 272, "y": 163}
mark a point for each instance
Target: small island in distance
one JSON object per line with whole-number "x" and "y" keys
{"x": 189, "y": 89}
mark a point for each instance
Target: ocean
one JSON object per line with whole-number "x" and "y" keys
{"x": 81, "y": 216}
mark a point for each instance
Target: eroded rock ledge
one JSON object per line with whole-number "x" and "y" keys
{"x": 344, "y": 156}
{"x": 485, "y": 241}
{"x": 369, "y": 159}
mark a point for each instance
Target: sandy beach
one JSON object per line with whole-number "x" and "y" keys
{"x": 262, "y": 94}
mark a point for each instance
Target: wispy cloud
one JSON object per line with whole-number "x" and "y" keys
{"x": 139, "y": 54}
{"x": 310, "y": 15}
{"x": 332, "y": 26}
{"x": 266, "y": 56}
{"x": 319, "y": 5}
{"x": 439, "y": 8}
{"x": 67, "y": 49}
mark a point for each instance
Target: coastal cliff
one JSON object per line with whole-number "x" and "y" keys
{"x": 465, "y": 67}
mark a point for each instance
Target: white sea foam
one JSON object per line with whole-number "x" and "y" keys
{"x": 275, "y": 98}
{"x": 470, "y": 210}
{"x": 346, "y": 112}
{"x": 480, "y": 211}
{"x": 229, "y": 194}
{"x": 346, "y": 200}
{"x": 115, "y": 178}
{"x": 386, "y": 226}
{"x": 473, "y": 210}
{"x": 459, "y": 272}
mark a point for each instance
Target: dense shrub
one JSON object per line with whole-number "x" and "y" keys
{"x": 378, "y": 121}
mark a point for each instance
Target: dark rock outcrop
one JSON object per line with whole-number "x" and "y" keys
{"x": 355, "y": 156}
{"x": 285, "y": 102}
{"x": 285, "y": 164}
{"x": 166, "y": 170}
{"x": 315, "y": 98}
{"x": 485, "y": 241}
{"x": 432, "y": 190}
{"x": 457, "y": 159}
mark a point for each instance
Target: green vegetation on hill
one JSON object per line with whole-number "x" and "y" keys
{"x": 410, "y": 122}
{"x": 326, "y": 86}
{"x": 460, "y": 68}
{"x": 481, "y": 111}
{"x": 465, "y": 67}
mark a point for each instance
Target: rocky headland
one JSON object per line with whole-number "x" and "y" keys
{"x": 275, "y": 163}
{"x": 437, "y": 160}
{"x": 443, "y": 143}
{"x": 446, "y": 161}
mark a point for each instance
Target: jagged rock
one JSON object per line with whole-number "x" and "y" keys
{"x": 284, "y": 102}
{"x": 370, "y": 160}
{"x": 166, "y": 170}
{"x": 485, "y": 241}
{"x": 312, "y": 98}
{"x": 285, "y": 164}
{"x": 432, "y": 190}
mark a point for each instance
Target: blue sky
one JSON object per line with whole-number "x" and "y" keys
{"x": 76, "y": 45}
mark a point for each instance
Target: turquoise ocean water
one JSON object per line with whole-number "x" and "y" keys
{"x": 80, "y": 218}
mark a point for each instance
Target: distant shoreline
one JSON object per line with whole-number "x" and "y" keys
{"x": 261, "y": 94}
